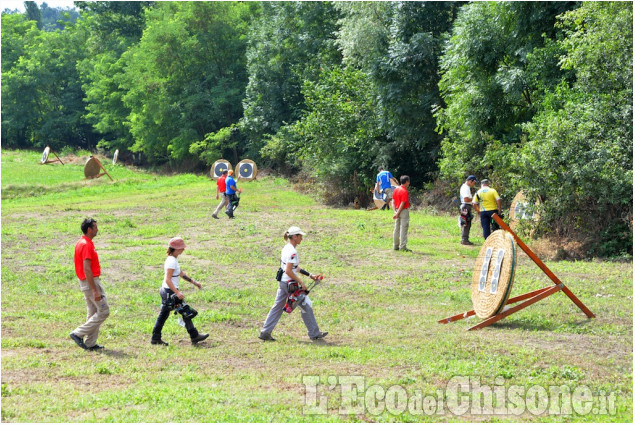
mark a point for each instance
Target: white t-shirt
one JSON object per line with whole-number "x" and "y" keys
{"x": 171, "y": 263}
{"x": 465, "y": 192}
{"x": 289, "y": 255}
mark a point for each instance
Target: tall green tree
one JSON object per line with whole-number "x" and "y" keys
{"x": 186, "y": 77}
{"x": 289, "y": 44}
{"x": 398, "y": 45}
{"x": 41, "y": 93}
{"x": 489, "y": 86}
{"x": 337, "y": 137}
{"x": 579, "y": 153}
{"x": 33, "y": 13}
{"x": 113, "y": 28}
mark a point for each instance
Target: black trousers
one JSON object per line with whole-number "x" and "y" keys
{"x": 165, "y": 313}
{"x": 486, "y": 222}
{"x": 232, "y": 203}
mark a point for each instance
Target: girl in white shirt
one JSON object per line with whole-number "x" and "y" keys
{"x": 170, "y": 287}
{"x": 289, "y": 282}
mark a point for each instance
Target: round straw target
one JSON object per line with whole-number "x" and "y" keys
{"x": 493, "y": 275}
{"x": 218, "y": 167}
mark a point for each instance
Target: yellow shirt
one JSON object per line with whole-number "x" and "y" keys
{"x": 487, "y": 197}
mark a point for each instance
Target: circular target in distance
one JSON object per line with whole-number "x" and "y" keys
{"x": 246, "y": 170}
{"x": 45, "y": 154}
{"x": 218, "y": 167}
{"x": 91, "y": 169}
{"x": 521, "y": 210}
{"x": 115, "y": 156}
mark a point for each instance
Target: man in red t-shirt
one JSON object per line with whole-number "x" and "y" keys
{"x": 220, "y": 189}
{"x": 88, "y": 271}
{"x": 401, "y": 205}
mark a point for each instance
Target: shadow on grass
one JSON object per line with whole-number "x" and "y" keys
{"x": 115, "y": 353}
{"x": 320, "y": 342}
{"x": 519, "y": 324}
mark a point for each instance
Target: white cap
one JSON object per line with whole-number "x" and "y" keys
{"x": 295, "y": 230}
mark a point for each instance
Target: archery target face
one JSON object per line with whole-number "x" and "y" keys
{"x": 379, "y": 199}
{"x": 493, "y": 274}
{"x": 246, "y": 170}
{"x": 45, "y": 154}
{"x": 91, "y": 169}
{"x": 218, "y": 167}
{"x": 115, "y": 156}
{"x": 519, "y": 210}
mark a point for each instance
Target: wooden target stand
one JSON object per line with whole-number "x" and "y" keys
{"x": 530, "y": 297}
{"x": 92, "y": 168}
{"x": 45, "y": 156}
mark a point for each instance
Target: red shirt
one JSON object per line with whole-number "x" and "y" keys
{"x": 221, "y": 183}
{"x": 400, "y": 195}
{"x": 85, "y": 250}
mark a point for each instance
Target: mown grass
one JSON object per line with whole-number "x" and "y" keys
{"x": 381, "y": 307}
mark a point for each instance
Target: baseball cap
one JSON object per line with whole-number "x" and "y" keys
{"x": 176, "y": 243}
{"x": 295, "y": 230}
{"x": 224, "y": 172}
{"x": 472, "y": 178}
{"x": 485, "y": 181}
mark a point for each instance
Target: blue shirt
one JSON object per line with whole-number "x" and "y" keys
{"x": 384, "y": 178}
{"x": 229, "y": 182}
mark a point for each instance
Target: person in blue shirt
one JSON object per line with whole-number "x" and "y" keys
{"x": 384, "y": 186}
{"x": 230, "y": 191}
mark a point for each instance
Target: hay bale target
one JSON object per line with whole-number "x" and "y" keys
{"x": 246, "y": 170}
{"x": 493, "y": 275}
{"x": 520, "y": 210}
{"x": 91, "y": 168}
{"x": 493, "y": 278}
{"x": 218, "y": 167}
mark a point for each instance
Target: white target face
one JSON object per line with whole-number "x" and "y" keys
{"x": 246, "y": 170}
{"x": 218, "y": 167}
{"x": 45, "y": 154}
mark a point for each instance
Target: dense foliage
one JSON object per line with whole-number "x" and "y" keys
{"x": 534, "y": 95}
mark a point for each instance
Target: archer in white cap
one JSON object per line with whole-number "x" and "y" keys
{"x": 170, "y": 289}
{"x": 288, "y": 283}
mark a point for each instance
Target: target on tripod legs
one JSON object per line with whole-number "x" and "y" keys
{"x": 522, "y": 210}
{"x": 218, "y": 167}
{"x": 493, "y": 275}
{"x": 92, "y": 168}
{"x": 246, "y": 170}
{"x": 45, "y": 154}
{"x": 115, "y": 156}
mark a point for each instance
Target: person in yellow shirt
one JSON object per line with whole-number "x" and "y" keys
{"x": 490, "y": 203}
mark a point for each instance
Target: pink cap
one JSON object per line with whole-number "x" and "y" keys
{"x": 176, "y": 243}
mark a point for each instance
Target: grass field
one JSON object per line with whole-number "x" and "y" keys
{"x": 380, "y": 307}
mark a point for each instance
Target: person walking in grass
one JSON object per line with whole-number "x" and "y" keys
{"x": 170, "y": 289}
{"x": 88, "y": 272}
{"x": 383, "y": 186}
{"x": 230, "y": 191}
{"x": 490, "y": 204}
{"x": 401, "y": 205}
{"x": 465, "y": 210}
{"x": 220, "y": 191}
{"x": 288, "y": 283}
